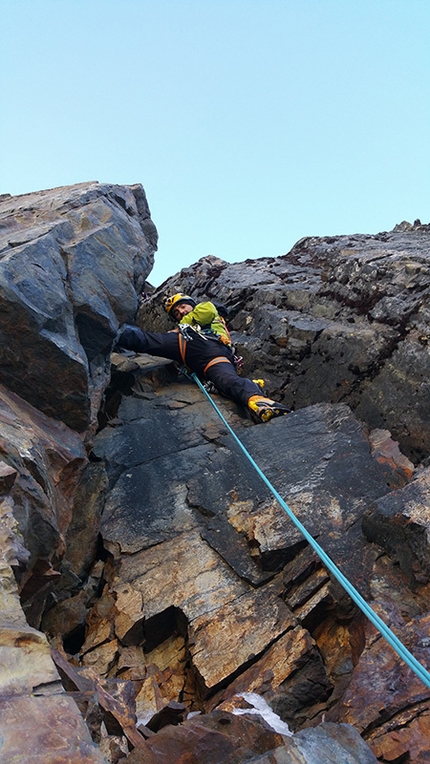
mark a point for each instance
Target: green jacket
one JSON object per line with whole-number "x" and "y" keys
{"x": 206, "y": 316}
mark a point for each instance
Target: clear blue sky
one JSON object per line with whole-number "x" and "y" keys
{"x": 250, "y": 123}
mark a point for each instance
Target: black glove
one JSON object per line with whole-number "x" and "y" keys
{"x": 129, "y": 338}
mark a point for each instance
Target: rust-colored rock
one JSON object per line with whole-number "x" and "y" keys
{"x": 49, "y": 459}
{"x": 217, "y": 606}
{"x": 208, "y": 740}
{"x": 384, "y": 694}
{"x": 45, "y": 730}
{"x": 386, "y": 451}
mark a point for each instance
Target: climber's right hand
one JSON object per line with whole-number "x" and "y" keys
{"x": 128, "y": 338}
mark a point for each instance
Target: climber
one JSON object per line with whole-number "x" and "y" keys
{"x": 202, "y": 343}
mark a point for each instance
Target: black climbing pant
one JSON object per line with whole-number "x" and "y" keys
{"x": 207, "y": 357}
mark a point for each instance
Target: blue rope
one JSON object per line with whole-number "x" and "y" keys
{"x": 382, "y": 627}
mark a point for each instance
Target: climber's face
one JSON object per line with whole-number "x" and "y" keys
{"x": 181, "y": 310}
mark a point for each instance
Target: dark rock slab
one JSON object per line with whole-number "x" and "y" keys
{"x": 151, "y": 430}
{"x": 400, "y": 523}
{"x": 233, "y": 548}
{"x": 318, "y": 460}
{"x": 226, "y": 479}
{"x": 83, "y": 532}
{"x": 148, "y": 502}
{"x": 402, "y": 385}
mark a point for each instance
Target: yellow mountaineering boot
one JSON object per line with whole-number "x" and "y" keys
{"x": 262, "y": 409}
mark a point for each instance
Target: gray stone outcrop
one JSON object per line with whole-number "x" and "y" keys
{"x": 147, "y": 572}
{"x": 71, "y": 260}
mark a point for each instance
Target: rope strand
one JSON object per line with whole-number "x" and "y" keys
{"x": 373, "y": 617}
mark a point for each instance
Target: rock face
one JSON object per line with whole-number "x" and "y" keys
{"x": 336, "y": 319}
{"x": 71, "y": 259}
{"x": 145, "y": 564}
{"x": 211, "y": 592}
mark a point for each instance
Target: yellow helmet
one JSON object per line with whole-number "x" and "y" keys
{"x": 177, "y": 299}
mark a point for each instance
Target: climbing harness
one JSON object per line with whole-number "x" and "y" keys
{"x": 187, "y": 333}
{"x": 373, "y": 617}
{"x": 206, "y": 332}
